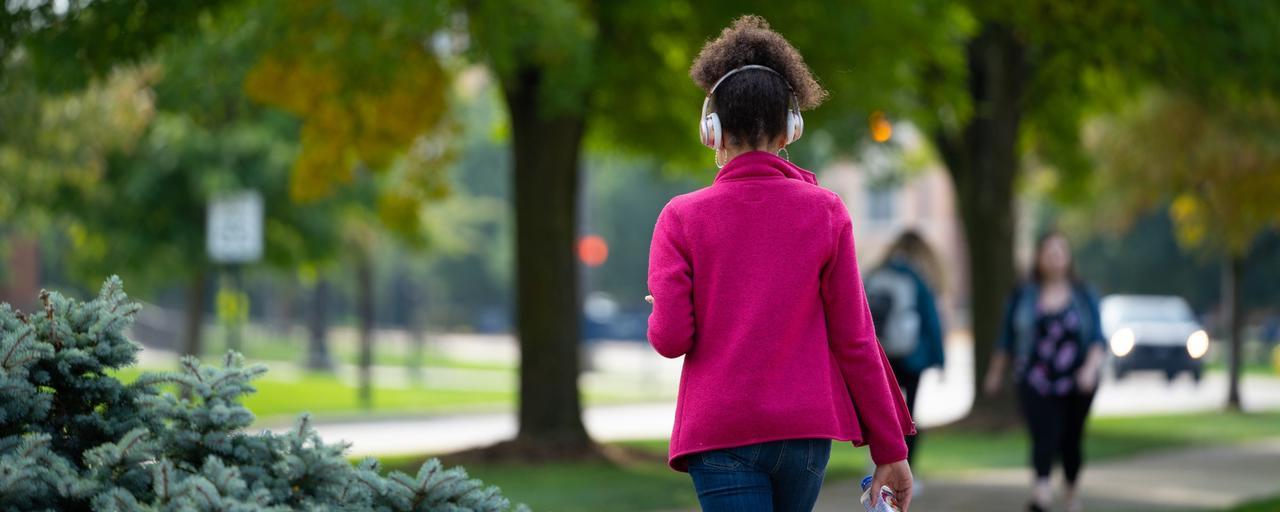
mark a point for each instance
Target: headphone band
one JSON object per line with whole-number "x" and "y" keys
{"x": 709, "y": 124}
{"x": 795, "y": 102}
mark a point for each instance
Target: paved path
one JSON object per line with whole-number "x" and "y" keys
{"x": 1210, "y": 478}
{"x": 459, "y": 432}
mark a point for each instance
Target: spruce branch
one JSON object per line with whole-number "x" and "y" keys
{"x": 161, "y": 474}
{"x": 192, "y": 366}
{"x": 21, "y": 340}
{"x": 73, "y": 437}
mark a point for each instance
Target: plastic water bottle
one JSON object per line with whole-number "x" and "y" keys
{"x": 888, "y": 502}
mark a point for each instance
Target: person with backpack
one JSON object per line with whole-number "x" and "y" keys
{"x": 754, "y": 281}
{"x": 900, "y": 294}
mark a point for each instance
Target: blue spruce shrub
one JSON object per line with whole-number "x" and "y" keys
{"x": 73, "y": 437}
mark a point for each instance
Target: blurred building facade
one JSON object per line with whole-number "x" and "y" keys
{"x": 884, "y": 204}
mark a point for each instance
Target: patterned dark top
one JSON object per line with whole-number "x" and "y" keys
{"x": 1050, "y": 369}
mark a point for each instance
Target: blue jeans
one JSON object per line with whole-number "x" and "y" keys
{"x": 782, "y": 476}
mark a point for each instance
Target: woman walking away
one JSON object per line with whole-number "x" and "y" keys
{"x": 900, "y": 293}
{"x": 1053, "y": 334}
{"x": 754, "y": 281}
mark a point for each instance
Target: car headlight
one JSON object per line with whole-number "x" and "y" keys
{"x": 1198, "y": 344}
{"x": 1122, "y": 342}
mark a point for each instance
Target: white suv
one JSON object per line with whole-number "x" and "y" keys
{"x": 1153, "y": 332}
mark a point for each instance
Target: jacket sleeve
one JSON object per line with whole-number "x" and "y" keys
{"x": 671, "y": 284}
{"x": 930, "y": 324}
{"x": 1095, "y": 316}
{"x": 881, "y": 408}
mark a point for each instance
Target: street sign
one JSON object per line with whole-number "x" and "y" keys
{"x": 234, "y": 229}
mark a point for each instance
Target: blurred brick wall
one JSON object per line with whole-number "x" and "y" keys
{"x": 20, "y": 281}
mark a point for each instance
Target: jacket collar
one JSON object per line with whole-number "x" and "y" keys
{"x": 762, "y": 164}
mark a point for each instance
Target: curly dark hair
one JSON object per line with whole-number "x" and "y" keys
{"x": 752, "y": 105}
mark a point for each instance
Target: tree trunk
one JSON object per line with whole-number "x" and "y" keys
{"x": 983, "y": 163}
{"x": 1233, "y": 312}
{"x": 193, "y": 337}
{"x": 318, "y": 358}
{"x": 546, "y": 149}
{"x": 364, "y": 313}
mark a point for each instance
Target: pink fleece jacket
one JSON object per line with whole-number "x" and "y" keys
{"x": 755, "y": 283}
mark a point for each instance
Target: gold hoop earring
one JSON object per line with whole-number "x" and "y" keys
{"x": 719, "y": 165}
{"x": 782, "y": 152}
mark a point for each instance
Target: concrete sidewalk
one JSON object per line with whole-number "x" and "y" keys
{"x": 442, "y": 434}
{"x": 1209, "y": 478}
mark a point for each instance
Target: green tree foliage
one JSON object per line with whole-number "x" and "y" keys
{"x": 1217, "y": 166}
{"x": 128, "y": 165}
{"x": 370, "y": 91}
{"x": 367, "y": 86}
{"x": 624, "y": 65}
{"x": 49, "y": 51}
{"x": 72, "y": 436}
{"x": 55, "y": 146}
{"x": 70, "y": 42}
{"x": 124, "y": 181}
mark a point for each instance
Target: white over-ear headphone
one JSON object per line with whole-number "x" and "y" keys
{"x": 709, "y": 124}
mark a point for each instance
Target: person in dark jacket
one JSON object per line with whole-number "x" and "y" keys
{"x": 1052, "y": 333}
{"x": 900, "y": 292}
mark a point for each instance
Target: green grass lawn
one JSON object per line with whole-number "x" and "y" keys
{"x": 648, "y": 485}
{"x": 1271, "y": 504}
{"x": 580, "y": 487}
{"x": 280, "y": 400}
{"x": 326, "y": 397}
